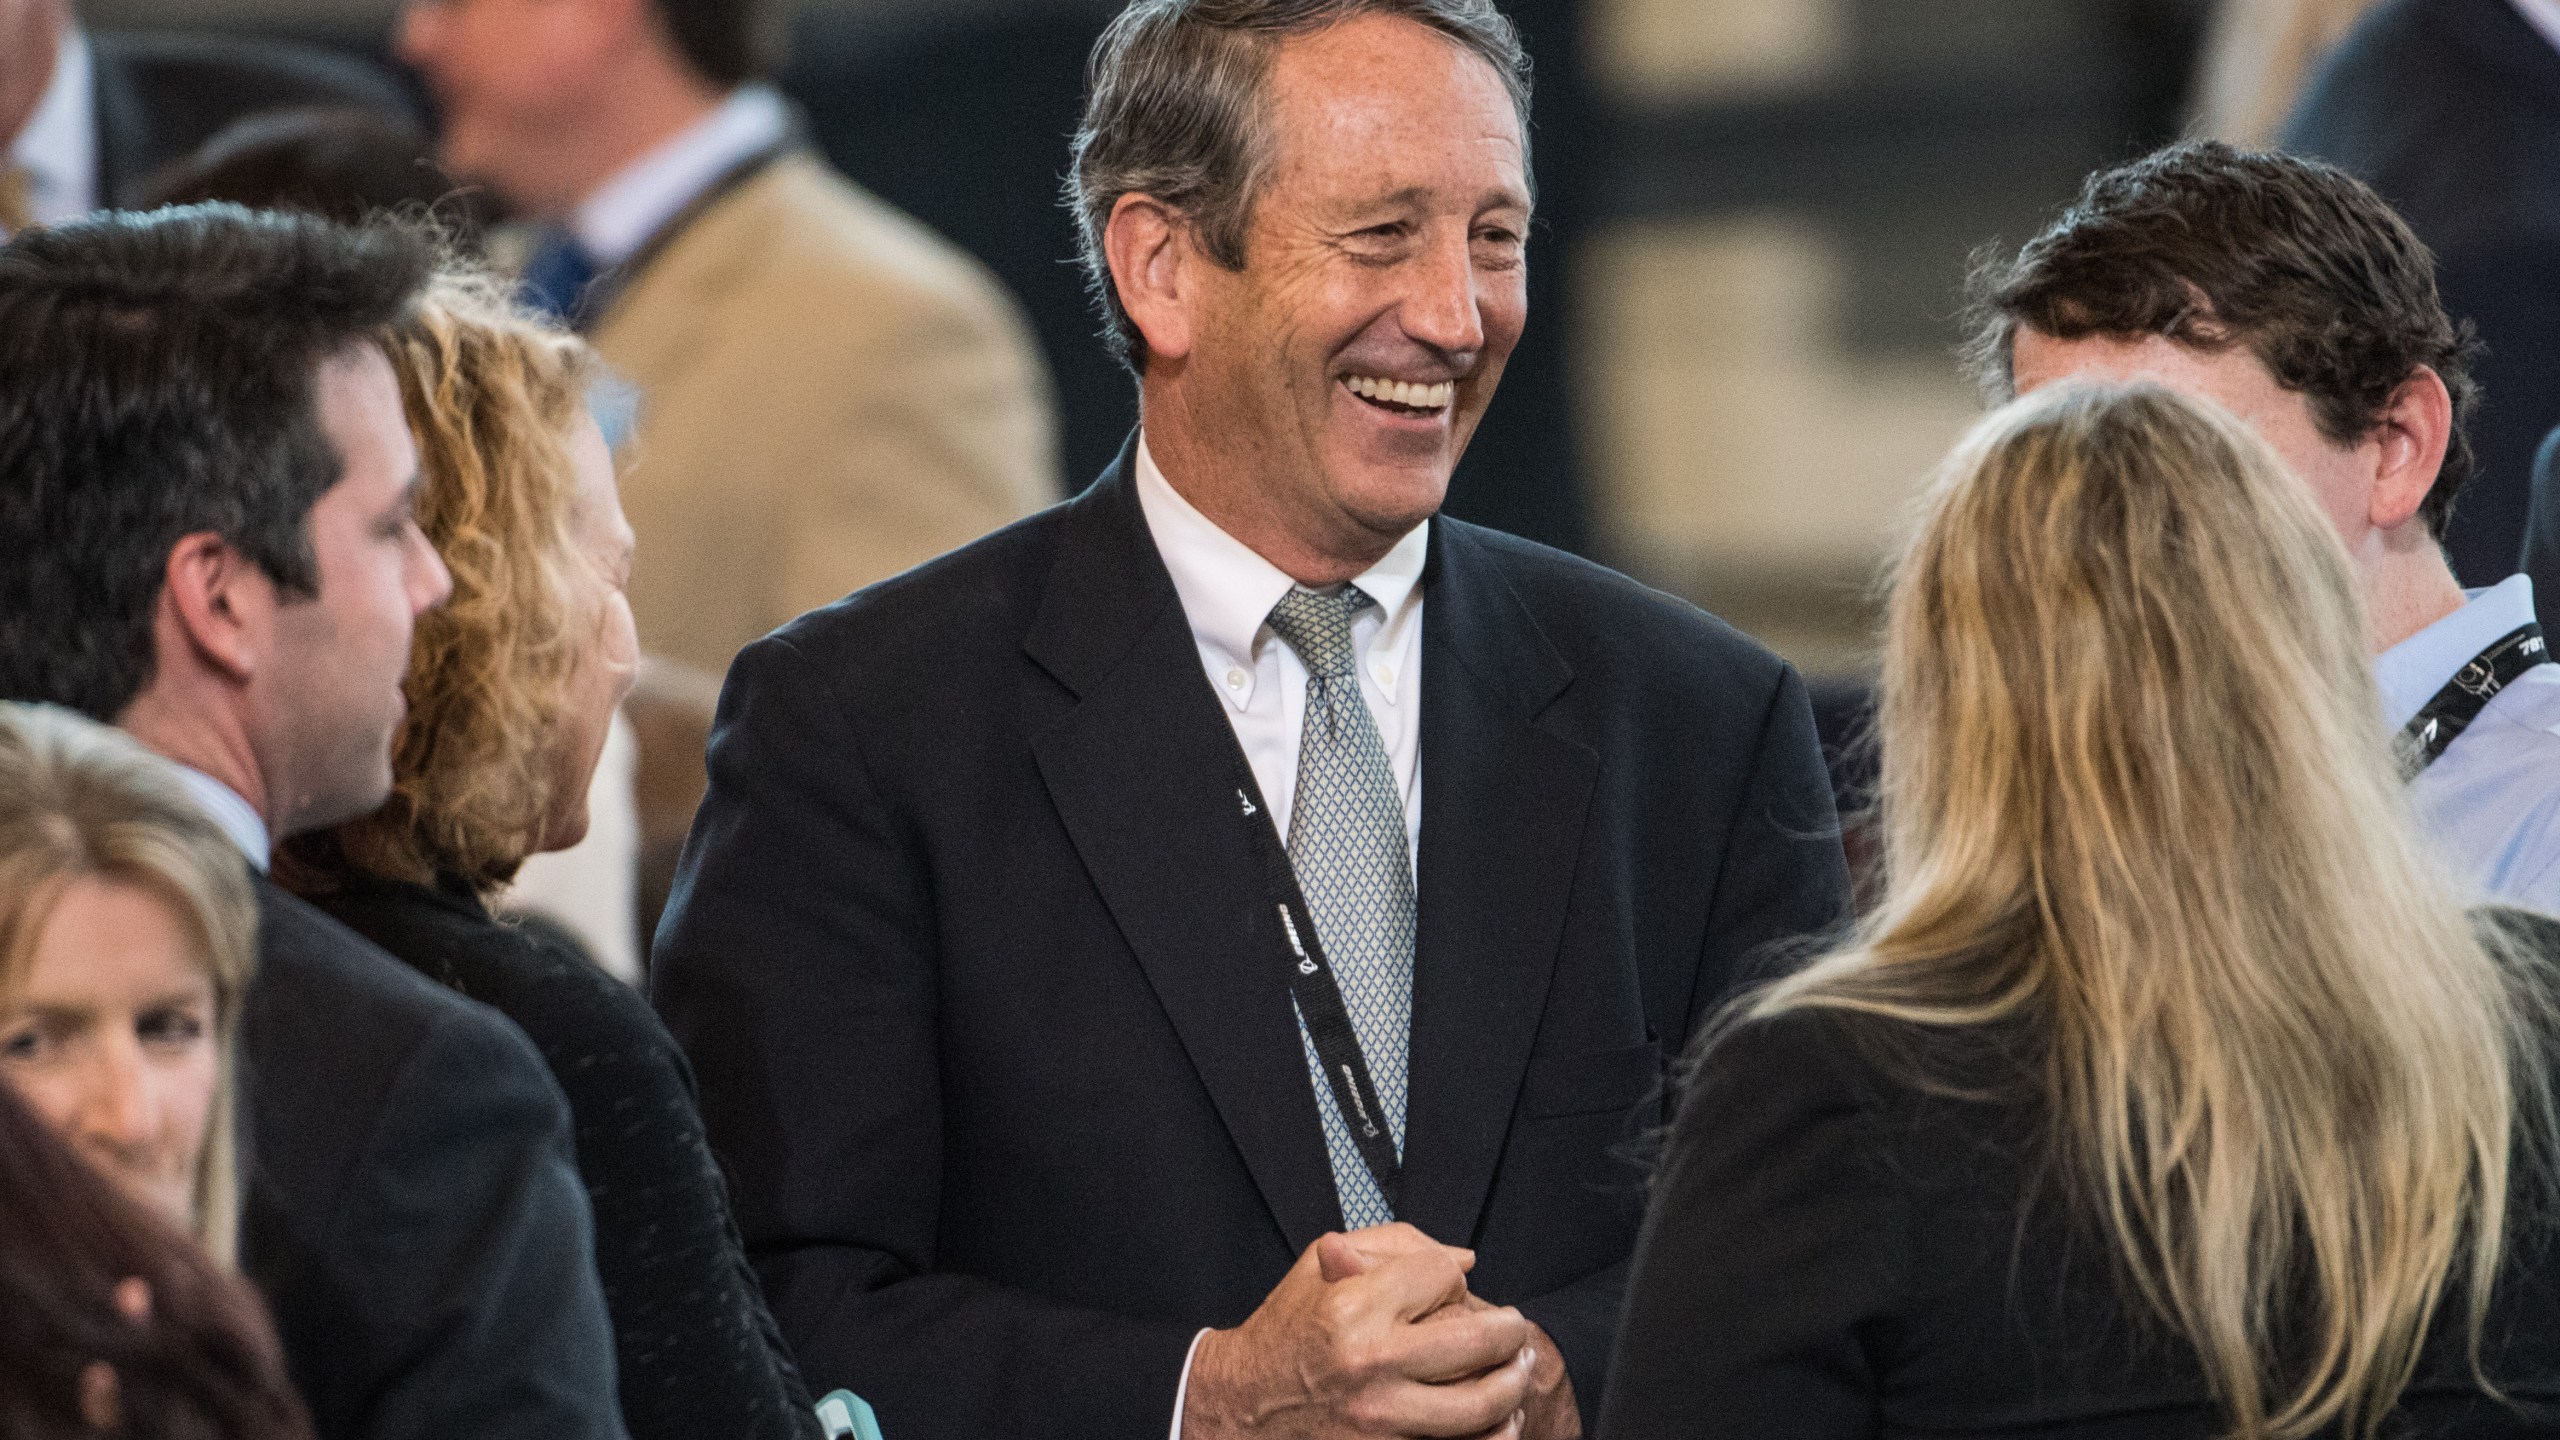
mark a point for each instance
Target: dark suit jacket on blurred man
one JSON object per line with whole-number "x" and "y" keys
{"x": 2451, "y": 109}
{"x": 120, "y": 108}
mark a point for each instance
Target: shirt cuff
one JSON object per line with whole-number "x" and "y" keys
{"x": 1183, "y": 1390}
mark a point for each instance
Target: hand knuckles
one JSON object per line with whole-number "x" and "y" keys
{"x": 1360, "y": 1356}
{"x": 1337, "y": 1313}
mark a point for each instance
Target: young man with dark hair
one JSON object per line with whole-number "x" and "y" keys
{"x": 205, "y": 488}
{"x": 830, "y": 393}
{"x": 2288, "y": 292}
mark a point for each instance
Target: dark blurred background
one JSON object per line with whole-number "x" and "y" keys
{"x": 1754, "y": 218}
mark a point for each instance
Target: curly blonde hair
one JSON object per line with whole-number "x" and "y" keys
{"x": 492, "y": 393}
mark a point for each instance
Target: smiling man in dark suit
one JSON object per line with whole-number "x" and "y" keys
{"x": 1084, "y": 927}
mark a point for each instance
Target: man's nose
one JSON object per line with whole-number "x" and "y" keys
{"x": 1444, "y": 307}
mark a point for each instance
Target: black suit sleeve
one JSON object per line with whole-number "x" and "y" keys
{"x": 1773, "y": 1244}
{"x": 797, "y": 967}
{"x": 1784, "y": 878}
{"x": 482, "y": 1275}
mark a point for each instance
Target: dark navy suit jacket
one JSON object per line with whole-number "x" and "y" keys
{"x": 974, "y": 960}
{"x": 414, "y": 1216}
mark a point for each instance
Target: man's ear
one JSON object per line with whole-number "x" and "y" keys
{"x": 219, "y": 604}
{"x": 2413, "y": 433}
{"x": 1148, "y": 247}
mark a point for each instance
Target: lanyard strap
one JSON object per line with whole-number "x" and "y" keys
{"x": 1319, "y": 997}
{"x": 2464, "y": 696}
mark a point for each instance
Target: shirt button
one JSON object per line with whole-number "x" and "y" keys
{"x": 1235, "y": 679}
{"x": 1387, "y": 676}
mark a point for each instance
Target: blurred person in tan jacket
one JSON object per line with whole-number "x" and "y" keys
{"x": 830, "y": 393}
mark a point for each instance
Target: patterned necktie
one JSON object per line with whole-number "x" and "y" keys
{"x": 1347, "y": 845}
{"x": 17, "y": 199}
{"x": 556, "y": 278}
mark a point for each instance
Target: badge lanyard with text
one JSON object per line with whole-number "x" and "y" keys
{"x": 2464, "y": 696}
{"x": 1319, "y": 997}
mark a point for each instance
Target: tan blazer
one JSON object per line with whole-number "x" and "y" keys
{"x": 830, "y": 393}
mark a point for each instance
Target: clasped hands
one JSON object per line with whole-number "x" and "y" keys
{"x": 1374, "y": 1333}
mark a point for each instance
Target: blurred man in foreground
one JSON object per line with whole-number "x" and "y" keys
{"x": 2289, "y": 293}
{"x": 830, "y": 392}
{"x": 205, "y": 486}
{"x": 88, "y": 121}
{"x": 1083, "y": 929}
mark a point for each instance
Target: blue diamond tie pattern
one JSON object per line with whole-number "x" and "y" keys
{"x": 1347, "y": 845}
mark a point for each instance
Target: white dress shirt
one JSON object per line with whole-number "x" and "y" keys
{"x": 615, "y": 221}
{"x": 2543, "y": 15}
{"x": 238, "y": 818}
{"x": 59, "y": 146}
{"x": 2492, "y": 800}
{"x": 1227, "y": 593}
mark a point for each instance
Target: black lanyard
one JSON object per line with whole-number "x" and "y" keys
{"x": 1319, "y": 998}
{"x": 2464, "y": 696}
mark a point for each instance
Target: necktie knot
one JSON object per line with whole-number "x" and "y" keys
{"x": 1318, "y": 627}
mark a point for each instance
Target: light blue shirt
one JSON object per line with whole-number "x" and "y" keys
{"x": 237, "y": 817}
{"x": 2492, "y": 799}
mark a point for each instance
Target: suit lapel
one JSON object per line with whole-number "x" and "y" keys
{"x": 599, "y": 300}
{"x": 1142, "y": 772}
{"x": 1503, "y": 808}
{"x": 651, "y": 320}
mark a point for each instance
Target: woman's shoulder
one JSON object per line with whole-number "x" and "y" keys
{"x": 558, "y": 997}
{"x": 1819, "y": 1048}
{"x": 1909, "y": 1095}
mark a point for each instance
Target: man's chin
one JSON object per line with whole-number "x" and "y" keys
{"x": 1391, "y": 500}
{"x": 353, "y": 798}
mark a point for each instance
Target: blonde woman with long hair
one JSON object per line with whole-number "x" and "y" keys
{"x": 2169, "y": 1090}
{"x": 128, "y": 933}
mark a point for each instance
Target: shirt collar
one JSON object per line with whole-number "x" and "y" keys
{"x": 59, "y": 146}
{"x": 615, "y": 221}
{"x": 237, "y": 817}
{"x": 1228, "y": 590}
{"x": 2411, "y": 672}
{"x": 2542, "y": 15}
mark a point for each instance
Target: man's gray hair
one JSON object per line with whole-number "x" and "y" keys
{"x": 1174, "y": 109}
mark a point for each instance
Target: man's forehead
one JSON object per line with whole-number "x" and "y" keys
{"x": 1359, "y": 145}
{"x": 2037, "y": 358}
{"x": 1382, "y": 70}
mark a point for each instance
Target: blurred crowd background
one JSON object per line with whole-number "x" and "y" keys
{"x": 1754, "y": 219}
